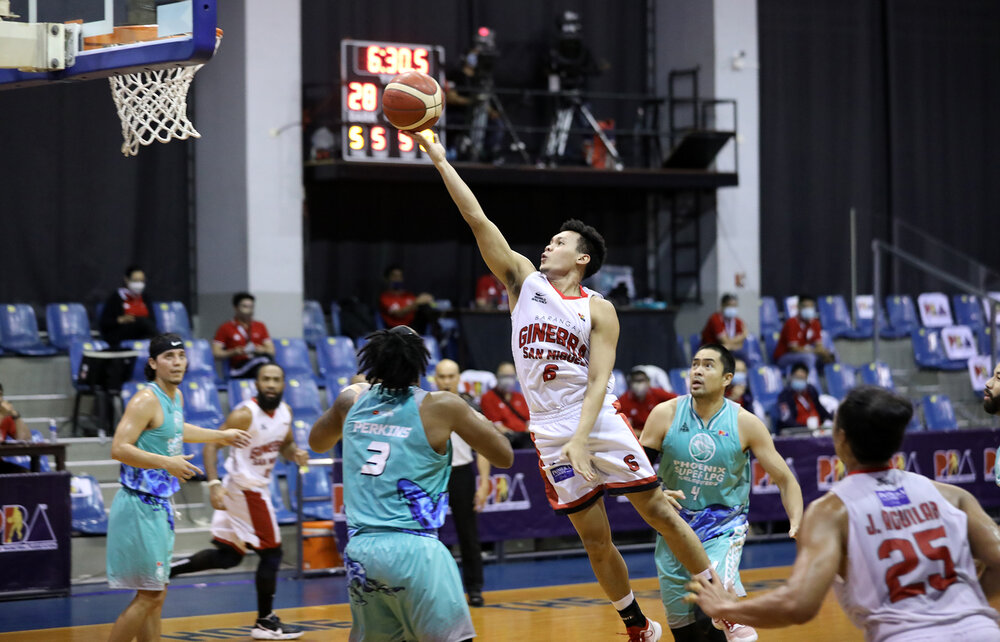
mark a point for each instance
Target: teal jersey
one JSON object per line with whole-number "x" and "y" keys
{"x": 166, "y": 439}
{"x": 707, "y": 462}
{"x": 393, "y": 479}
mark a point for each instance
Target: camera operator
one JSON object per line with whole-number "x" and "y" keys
{"x": 471, "y": 87}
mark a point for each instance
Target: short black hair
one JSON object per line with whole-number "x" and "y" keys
{"x": 272, "y": 364}
{"x": 134, "y": 267}
{"x": 799, "y": 365}
{"x": 240, "y": 296}
{"x": 394, "y": 266}
{"x": 395, "y": 358}
{"x": 727, "y": 358}
{"x": 726, "y": 298}
{"x": 591, "y": 243}
{"x": 873, "y": 420}
{"x": 806, "y": 297}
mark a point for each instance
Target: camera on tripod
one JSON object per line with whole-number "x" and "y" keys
{"x": 482, "y": 57}
{"x": 570, "y": 61}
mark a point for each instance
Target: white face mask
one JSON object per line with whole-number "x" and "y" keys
{"x": 137, "y": 286}
{"x": 730, "y": 311}
{"x": 807, "y": 314}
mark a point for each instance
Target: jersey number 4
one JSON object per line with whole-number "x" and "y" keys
{"x": 376, "y": 463}
{"x": 910, "y": 561}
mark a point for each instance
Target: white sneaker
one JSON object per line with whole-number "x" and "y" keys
{"x": 649, "y": 633}
{"x": 736, "y": 632}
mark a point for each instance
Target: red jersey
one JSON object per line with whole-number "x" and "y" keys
{"x": 514, "y": 414}
{"x": 132, "y": 303}
{"x": 7, "y": 428}
{"x": 395, "y": 301}
{"x": 799, "y": 333}
{"x": 717, "y": 324}
{"x": 637, "y": 410}
{"x": 489, "y": 288}
{"x": 233, "y": 334}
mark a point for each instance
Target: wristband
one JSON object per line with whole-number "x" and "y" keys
{"x": 213, "y": 482}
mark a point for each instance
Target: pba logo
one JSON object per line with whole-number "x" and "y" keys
{"x": 507, "y": 493}
{"x": 989, "y": 461}
{"x": 20, "y": 534}
{"x": 905, "y": 461}
{"x": 980, "y": 372}
{"x": 829, "y": 470}
{"x": 953, "y": 466}
{"x": 958, "y": 342}
{"x": 761, "y": 481}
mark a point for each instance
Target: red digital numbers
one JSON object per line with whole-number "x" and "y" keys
{"x": 910, "y": 561}
{"x": 362, "y": 96}
{"x": 549, "y": 372}
{"x": 395, "y": 60}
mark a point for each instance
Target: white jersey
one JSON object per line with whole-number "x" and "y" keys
{"x": 251, "y": 466}
{"x": 461, "y": 452}
{"x": 909, "y": 563}
{"x": 550, "y": 340}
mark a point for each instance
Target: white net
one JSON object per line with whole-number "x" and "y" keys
{"x": 152, "y": 106}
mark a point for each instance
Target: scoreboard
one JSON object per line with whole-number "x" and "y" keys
{"x": 366, "y": 67}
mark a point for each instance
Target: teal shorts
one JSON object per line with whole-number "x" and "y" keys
{"x": 724, "y": 554}
{"x": 405, "y": 587}
{"x": 140, "y": 541}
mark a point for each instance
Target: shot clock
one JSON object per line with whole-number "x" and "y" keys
{"x": 366, "y": 67}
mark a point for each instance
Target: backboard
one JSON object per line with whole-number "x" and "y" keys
{"x": 103, "y": 38}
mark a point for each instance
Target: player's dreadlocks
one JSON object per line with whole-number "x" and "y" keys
{"x": 395, "y": 358}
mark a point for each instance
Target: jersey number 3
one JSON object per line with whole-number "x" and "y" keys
{"x": 910, "y": 562}
{"x": 376, "y": 463}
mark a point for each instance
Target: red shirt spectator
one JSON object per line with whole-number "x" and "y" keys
{"x": 8, "y": 429}
{"x": 797, "y": 332}
{"x": 236, "y": 334}
{"x": 717, "y": 324}
{"x": 513, "y": 413}
{"x": 637, "y": 410}
{"x": 490, "y": 293}
{"x": 393, "y": 300}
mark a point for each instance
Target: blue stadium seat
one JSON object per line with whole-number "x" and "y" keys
{"x": 770, "y": 321}
{"x": 434, "y": 350}
{"x": 302, "y": 394}
{"x": 694, "y": 341}
{"x": 337, "y": 380}
{"x": 313, "y": 323}
{"x": 360, "y": 343}
{"x": 87, "y": 506}
{"x": 302, "y": 423}
{"x": 198, "y": 452}
{"x": 683, "y": 351}
{"x": 934, "y": 310}
{"x": 201, "y": 402}
{"x": 840, "y": 378}
{"x": 281, "y": 512}
{"x": 771, "y": 342}
{"x": 76, "y": 350}
{"x": 985, "y": 337}
{"x": 877, "y": 374}
{"x": 621, "y": 385}
{"x": 19, "y": 331}
{"x": 928, "y": 351}
{"x": 241, "y": 390}
{"x": 66, "y": 322}
{"x": 836, "y": 320}
{"x": 938, "y": 412}
{"x": 293, "y": 356}
{"x": 142, "y": 347}
{"x": 968, "y": 310}
{"x": 765, "y": 384}
{"x": 679, "y": 380}
{"x": 902, "y": 314}
{"x": 335, "y": 318}
{"x": 201, "y": 363}
{"x": 752, "y": 351}
{"x": 336, "y": 353}
{"x": 172, "y": 316}
{"x": 317, "y": 491}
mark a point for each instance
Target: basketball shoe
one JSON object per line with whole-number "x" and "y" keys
{"x": 649, "y": 633}
{"x": 271, "y": 628}
{"x": 735, "y": 632}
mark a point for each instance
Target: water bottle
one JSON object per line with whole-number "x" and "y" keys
{"x": 53, "y": 431}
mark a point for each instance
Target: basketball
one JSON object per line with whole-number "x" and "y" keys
{"x": 412, "y": 101}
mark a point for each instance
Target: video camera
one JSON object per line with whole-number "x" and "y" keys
{"x": 483, "y": 55}
{"x": 569, "y": 58}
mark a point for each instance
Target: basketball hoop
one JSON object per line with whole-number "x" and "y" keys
{"x": 152, "y": 105}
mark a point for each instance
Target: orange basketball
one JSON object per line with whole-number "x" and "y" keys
{"x": 412, "y": 101}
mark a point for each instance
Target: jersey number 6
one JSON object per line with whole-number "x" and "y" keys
{"x": 549, "y": 372}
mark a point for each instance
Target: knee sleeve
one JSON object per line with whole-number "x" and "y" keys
{"x": 270, "y": 559}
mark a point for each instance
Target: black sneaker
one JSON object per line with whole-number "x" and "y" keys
{"x": 271, "y": 628}
{"x": 476, "y": 598}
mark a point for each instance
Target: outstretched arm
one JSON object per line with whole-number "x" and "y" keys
{"x": 754, "y": 435}
{"x": 508, "y": 266}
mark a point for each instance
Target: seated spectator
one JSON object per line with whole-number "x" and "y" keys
{"x": 243, "y": 342}
{"x": 640, "y": 399}
{"x": 127, "y": 314}
{"x": 506, "y": 407}
{"x": 11, "y": 427}
{"x": 490, "y": 293}
{"x": 738, "y": 389}
{"x": 801, "y": 338}
{"x": 798, "y": 404}
{"x": 398, "y": 306}
{"x": 725, "y": 327}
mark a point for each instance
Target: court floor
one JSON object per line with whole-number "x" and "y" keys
{"x": 549, "y": 599}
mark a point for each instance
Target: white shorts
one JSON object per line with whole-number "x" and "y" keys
{"x": 248, "y": 520}
{"x": 618, "y": 458}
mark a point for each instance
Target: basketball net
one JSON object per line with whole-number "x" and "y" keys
{"x": 152, "y": 105}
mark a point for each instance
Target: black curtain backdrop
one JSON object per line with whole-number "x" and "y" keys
{"x": 886, "y": 106}
{"x": 74, "y": 212}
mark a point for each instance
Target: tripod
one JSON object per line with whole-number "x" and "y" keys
{"x": 484, "y": 101}
{"x": 555, "y": 142}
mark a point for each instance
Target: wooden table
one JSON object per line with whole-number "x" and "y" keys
{"x": 35, "y": 450}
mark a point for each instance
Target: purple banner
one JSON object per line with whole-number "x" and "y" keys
{"x": 35, "y": 543}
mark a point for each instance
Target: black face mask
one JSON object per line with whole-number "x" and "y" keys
{"x": 268, "y": 403}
